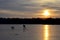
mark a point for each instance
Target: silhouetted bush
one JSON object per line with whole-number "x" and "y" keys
{"x": 29, "y": 21}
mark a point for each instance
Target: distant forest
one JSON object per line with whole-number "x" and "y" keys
{"x": 29, "y": 21}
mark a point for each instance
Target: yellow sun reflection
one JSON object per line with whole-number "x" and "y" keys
{"x": 46, "y": 32}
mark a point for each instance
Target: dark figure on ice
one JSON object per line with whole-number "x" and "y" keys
{"x": 12, "y": 27}
{"x": 24, "y": 28}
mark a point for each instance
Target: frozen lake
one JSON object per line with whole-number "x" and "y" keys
{"x": 30, "y": 32}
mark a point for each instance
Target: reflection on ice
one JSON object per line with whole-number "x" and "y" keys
{"x": 46, "y": 32}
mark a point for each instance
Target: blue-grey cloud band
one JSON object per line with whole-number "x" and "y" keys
{"x": 26, "y": 8}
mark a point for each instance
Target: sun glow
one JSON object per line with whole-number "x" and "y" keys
{"x": 46, "y": 13}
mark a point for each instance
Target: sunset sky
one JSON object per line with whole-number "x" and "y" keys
{"x": 28, "y": 8}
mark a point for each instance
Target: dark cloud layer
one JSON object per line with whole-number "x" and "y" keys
{"x": 27, "y": 6}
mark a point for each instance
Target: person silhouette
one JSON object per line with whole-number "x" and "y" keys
{"x": 12, "y": 27}
{"x": 24, "y": 28}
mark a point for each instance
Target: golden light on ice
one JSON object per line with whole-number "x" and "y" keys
{"x": 46, "y": 32}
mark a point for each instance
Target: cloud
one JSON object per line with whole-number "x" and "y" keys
{"x": 26, "y": 8}
{"x": 25, "y": 5}
{"x": 15, "y": 14}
